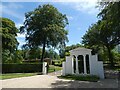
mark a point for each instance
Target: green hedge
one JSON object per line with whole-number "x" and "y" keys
{"x": 21, "y": 68}
{"x": 57, "y": 63}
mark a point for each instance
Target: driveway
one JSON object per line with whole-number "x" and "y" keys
{"x": 51, "y": 81}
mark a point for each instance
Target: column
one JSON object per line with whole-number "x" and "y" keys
{"x": 84, "y": 59}
{"x": 77, "y": 72}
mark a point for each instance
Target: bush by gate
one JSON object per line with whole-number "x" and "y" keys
{"x": 21, "y": 68}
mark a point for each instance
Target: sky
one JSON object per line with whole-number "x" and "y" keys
{"x": 80, "y": 16}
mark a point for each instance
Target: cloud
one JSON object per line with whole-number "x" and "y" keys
{"x": 69, "y": 17}
{"x": 18, "y": 25}
{"x": 11, "y": 9}
{"x": 21, "y": 42}
{"x": 21, "y": 35}
{"x": 85, "y": 6}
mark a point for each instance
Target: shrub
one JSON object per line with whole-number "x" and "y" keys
{"x": 67, "y": 53}
{"x": 21, "y": 68}
{"x": 57, "y": 63}
{"x": 91, "y": 78}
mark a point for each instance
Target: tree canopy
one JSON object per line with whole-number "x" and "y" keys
{"x": 65, "y": 52}
{"x": 106, "y": 32}
{"x": 9, "y": 33}
{"x": 9, "y": 41}
{"x": 45, "y": 26}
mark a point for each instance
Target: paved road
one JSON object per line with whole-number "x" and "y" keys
{"x": 57, "y": 73}
{"x": 51, "y": 81}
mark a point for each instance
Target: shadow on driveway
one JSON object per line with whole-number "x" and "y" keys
{"x": 105, "y": 83}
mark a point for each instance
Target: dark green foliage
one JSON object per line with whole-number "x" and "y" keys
{"x": 15, "y": 57}
{"x": 91, "y": 78}
{"x": 106, "y": 32}
{"x": 36, "y": 53}
{"x": 65, "y": 51}
{"x": 51, "y": 54}
{"x": 58, "y": 62}
{"x": 21, "y": 68}
{"x": 45, "y": 26}
{"x": 9, "y": 33}
{"x": 116, "y": 57}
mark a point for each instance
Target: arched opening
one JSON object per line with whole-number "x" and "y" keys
{"x": 87, "y": 64}
{"x": 74, "y": 63}
{"x": 80, "y": 64}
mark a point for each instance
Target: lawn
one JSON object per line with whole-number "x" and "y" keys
{"x": 53, "y": 68}
{"x": 91, "y": 78}
{"x": 17, "y": 75}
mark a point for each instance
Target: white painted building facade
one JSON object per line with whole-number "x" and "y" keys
{"x": 81, "y": 61}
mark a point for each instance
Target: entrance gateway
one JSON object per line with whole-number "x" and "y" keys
{"x": 81, "y": 61}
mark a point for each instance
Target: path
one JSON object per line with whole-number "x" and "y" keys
{"x": 51, "y": 81}
{"x": 57, "y": 73}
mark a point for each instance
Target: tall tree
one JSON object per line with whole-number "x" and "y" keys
{"x": 110, "y": 15}
{"x": 106, "y": 31}
{"x": 45, "y": 26}
{"x": 8, "y": 33}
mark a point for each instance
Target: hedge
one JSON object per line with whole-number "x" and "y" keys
{"x": 21, "y": 68}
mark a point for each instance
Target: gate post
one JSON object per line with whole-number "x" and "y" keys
{"x": 44, "y": 71}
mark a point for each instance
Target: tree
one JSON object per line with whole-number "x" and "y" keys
{"x": 45, "y": 26}
{"x": 9, "y": 41}
{"x": 65, "y": 51}
{"x": 9, "y": 33}
{"x": 104, "y": 33}
{"x": 110, "y": 16}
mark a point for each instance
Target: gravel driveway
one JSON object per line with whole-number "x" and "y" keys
{"x": 49, "y": 81}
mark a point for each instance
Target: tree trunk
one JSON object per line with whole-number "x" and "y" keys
{"x": 43, "y": 51}
{"x": 110, "y": 56}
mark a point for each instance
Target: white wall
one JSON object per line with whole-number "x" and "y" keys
{"x": 100, "y": 70}
{"x": 63, "y": 71}
{"x": 96, "y": 67}
{"x": 93, "y": 64}
{"x": 68, "y": 65}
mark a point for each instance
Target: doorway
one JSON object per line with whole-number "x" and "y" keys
{"x": 87, "y": 64}
{"x": 74, "y": 63}
{"x": 80, "y": 64}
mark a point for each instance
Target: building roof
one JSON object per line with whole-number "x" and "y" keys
{"x": 80, "y": 49}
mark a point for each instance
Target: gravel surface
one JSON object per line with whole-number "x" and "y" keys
{"x": 51, "y": 81}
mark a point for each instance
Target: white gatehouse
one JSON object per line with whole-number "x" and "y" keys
{"x": 81, "y": 61}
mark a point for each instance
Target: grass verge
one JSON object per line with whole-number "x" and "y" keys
{"x": 53, "y": 68}
{"x": 15, "y": 75}
{"x": 91, "y": 78}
